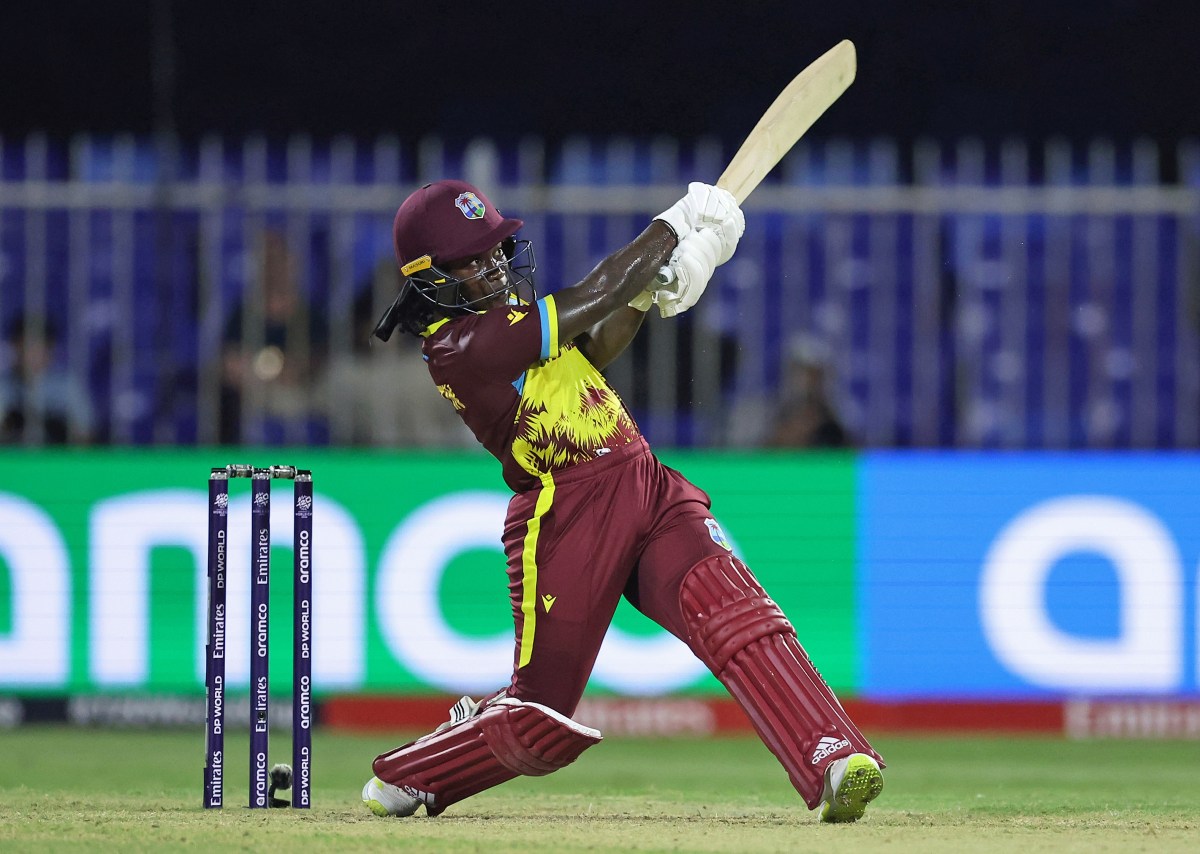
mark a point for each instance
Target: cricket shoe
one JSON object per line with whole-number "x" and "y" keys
{"x": 384, "y": 799}
{"x": 851, "y": 783}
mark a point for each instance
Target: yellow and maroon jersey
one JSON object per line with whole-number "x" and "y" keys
{"x": 536, "y": 404}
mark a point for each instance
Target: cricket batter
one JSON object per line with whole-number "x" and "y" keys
{"x": 594, "y": 516}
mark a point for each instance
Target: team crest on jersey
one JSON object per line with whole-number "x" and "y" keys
{"x": 718, "y": 536}
{"x": 470, "y": 206}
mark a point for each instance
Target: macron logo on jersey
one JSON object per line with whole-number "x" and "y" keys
{"x": 515, "y": 316}
{"x": 826, "y": 747}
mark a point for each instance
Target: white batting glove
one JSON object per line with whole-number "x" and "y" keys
{"x": 730, "y": 230}
{"x": 643, "y": 301}
{"x": 704, "y": 204}
{"x": 721, "y": 213}
{"x": 692, "y": 264}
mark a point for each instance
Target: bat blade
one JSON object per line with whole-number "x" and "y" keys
{"x": 789, "y": 117}
{"x": 793, "y": 112}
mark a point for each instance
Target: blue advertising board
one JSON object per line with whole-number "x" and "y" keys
{"x": 1028, "y": 574}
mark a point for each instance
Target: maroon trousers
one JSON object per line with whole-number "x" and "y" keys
{"x": 627, "y": 524}
{"x": 622, "y": 524}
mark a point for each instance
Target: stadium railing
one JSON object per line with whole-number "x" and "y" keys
{"x": 963, "y": 294}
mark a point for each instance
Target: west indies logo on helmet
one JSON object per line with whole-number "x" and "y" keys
{"x": 470, "y": 205}
{"x": 437, "y": 226}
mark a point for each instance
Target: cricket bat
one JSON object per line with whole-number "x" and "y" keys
{"x": 792, "y": 113}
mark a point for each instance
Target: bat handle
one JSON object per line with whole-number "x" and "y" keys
{"x": 664, "y": 277}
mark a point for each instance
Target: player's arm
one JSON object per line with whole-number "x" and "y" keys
{"x": 691, "y": 264}
{"x": 596, "y": 314}
{"x": 609, "y": 288}
{"x": 609, "y": 338}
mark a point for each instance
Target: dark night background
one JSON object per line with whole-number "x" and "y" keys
{"x": 1117, "y": 68}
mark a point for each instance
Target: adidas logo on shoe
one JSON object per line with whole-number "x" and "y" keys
{"x": 826, "y": 747}
{"x": 427, "y": 798}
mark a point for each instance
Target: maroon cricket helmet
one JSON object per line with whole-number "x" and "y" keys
{"x": 449, "y": 221}
{"x": 440, "y": 223}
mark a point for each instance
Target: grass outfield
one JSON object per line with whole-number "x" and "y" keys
{"x": 102, "y": 789}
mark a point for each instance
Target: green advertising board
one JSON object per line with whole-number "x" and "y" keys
{"x": 102, "y": 565}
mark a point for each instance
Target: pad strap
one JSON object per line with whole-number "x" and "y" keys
{"x": 507, "y": 739}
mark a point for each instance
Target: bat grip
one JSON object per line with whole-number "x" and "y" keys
{"x": 664, "y": 277}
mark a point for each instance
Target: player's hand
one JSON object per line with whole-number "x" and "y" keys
{"x": 704, "y": 204}
{"x": 692, "y": 264}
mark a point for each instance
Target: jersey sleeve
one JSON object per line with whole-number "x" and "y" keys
{"x": 548, "y": 317}
{"x": 503, "y": 343}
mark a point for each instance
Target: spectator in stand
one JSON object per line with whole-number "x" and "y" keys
{"x": 380, "y": 398}
{"x": 40, "y": 402}
{"x": 805, "y": 417}
{"x": 273, "y": 351}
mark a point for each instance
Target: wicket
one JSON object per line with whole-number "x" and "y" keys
{"x": 261, "y": 793}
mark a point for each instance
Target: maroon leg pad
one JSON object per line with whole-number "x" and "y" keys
{"x": 507, "y": 739}
{"x": 747, "y": 642}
